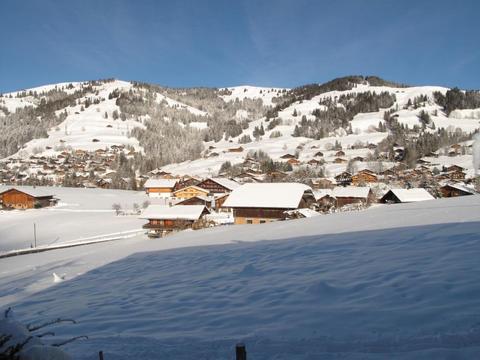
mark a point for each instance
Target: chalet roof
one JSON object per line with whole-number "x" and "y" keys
{"x": 160, "y": 183}
{"x": 268, "y": 195}
{"x": 35, "y": 192}
{"x": 226, "y": 183}
{"x": 181, "y": 212}
{"x": 411, "y": 195}
{"x": 192, "y": 187}
{"x": 351, "y": 191}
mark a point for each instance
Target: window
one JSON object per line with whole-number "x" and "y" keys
{"x": 249, "y": 221}
{"x": 262, "y": 221}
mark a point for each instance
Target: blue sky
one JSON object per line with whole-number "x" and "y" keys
{"x": 232, "y": 42}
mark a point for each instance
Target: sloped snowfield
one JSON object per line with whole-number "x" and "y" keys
{"x": 396, "y": 282}
{"x": 81, "y": 214}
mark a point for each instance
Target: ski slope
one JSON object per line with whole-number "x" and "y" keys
{"x": 394, "y": 281}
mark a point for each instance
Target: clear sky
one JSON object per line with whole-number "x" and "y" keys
{"x": 233, "y": 42}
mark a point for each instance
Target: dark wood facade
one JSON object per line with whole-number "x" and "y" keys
{"x": 451, "y": 191}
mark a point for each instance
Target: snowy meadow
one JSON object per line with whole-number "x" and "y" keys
{"x": 396, "y": 281}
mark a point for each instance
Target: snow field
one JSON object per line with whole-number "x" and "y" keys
{"x": 396, "y": 281}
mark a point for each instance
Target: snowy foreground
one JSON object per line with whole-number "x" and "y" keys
{"x": 395, "y": 281}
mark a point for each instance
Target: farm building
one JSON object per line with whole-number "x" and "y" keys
{"x": 218, "y": 185}
{"x": 453, "y": 190}
{"x": 346, "y": 195}
{"x": 406, "y": 195}
{"x": 160, "y": 187}
{"x": 26, "y": 199}
{"x": 265, "y": 202}
{"x": 165, "y": 219}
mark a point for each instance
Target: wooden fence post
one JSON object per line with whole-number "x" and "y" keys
{"x": 100, "y": 355}
{"x": 241, "y": 352}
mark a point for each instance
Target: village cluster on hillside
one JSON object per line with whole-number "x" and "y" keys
{"x": 253, "y": 194}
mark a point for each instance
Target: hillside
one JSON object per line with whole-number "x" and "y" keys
{"x": 396, "y": 281}
{"x": 195, "y": 131}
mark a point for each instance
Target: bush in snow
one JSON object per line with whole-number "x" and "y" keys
{"x": 24, "y": 342}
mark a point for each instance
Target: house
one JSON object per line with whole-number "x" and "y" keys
{"x": 344, "y": 178}
{"x": 160, "y": 187}
{"x": 293, "y": 162}
{"x": 406, "y": 195}
{"x": 288, "y": 156}
{"x": 340, "y": 153}
{"x": 166, "y": 219}
{"x": 363, "y": 177}
{"x": 340, "y": 161}
{"x": 189, "y": 192}
{"x": 318, "y": 154}
{"x": 453, "y": 190}
{"x": 346, "y": 195}
{"x": 265, "y": 202}
{"x": 26, "y": 199}
{"x": 218, "y": 185}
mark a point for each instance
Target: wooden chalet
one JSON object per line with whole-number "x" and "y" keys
{"x": 217, "y": 185}
{"x": 340, "y": 153}
{"x": 344, "y": 179}
{"x": 189, "y": 192}
{"x": 26, "y": 199}
{"x": 166, "y": 219}
{"x": 363, "y": 177}
{"x": 346, "y": 195}
{"x": 265, "y": 202}
{"x": 340, "y": 160}
{"x": 318, "y": 154}
{"x": 160, "y": 187}
{"x": 454, "y": 190}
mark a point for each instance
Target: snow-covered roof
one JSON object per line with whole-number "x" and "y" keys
{"x": 181, "y": 212}
{"x": 308, "y": 213}
{"x": 226, "y": 183}
{"x": 268, "y": 195}
{"x": 351, "y": 191}
{"x": 192, "y": 187}
{"x": 412, "y": 195}
{"x": 160, "y": 183}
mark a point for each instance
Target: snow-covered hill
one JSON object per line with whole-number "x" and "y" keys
{"x": 396, "y": 281}
{"x": 97, "y": 126}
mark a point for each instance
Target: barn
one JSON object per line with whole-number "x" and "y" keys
{"x": 394, "y": 196}
{"x": 26, "y": 199}
{"x": 452, "y": 190}
{"x": 258, "y": 203}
